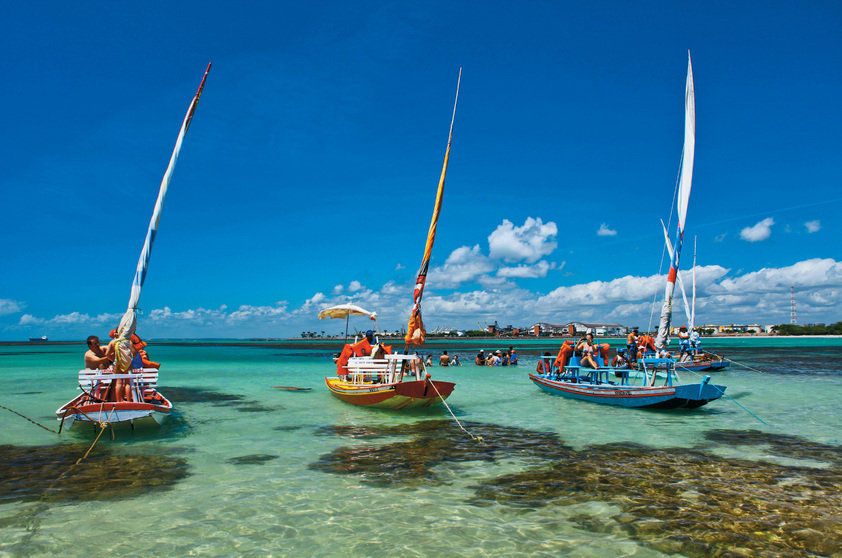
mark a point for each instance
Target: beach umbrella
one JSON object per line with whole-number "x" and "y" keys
{"x": 345, "y": 311}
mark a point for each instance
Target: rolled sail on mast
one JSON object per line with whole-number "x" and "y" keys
{"x": 415, "y": 328}
{"x": 129, "y": 319}
{"x": 685, "y": 183}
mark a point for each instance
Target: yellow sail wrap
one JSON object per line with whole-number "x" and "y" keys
{"x": 415, "y": 328}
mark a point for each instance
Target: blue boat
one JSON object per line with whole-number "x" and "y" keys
{"x": 655, "y": 385}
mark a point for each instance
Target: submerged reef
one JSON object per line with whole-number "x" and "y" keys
{"x": 215, "y": 398}
{"x": 686, "y": 501}
{"x": 50, "y": 473}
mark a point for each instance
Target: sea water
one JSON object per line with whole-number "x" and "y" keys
{"x": 245, "y": 468}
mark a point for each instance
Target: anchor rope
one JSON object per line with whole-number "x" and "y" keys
{"x": 29, "y": 419}
{"x": 475, "y": 438}
{"x": 728, "y": 396}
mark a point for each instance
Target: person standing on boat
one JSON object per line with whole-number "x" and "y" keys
{"x": 631, "y": 345}
{"x": 695, "y": 342}
{"x": 512, "y": 356}
{"x": 95, "y": 358}
{"x": 588, "y": 350}
{"x": 444, "y": 360}
{"x": 683, "y": 343}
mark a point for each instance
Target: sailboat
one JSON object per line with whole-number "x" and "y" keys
{"x": 692, "y": 357}
{"x": 368, "y": 373}
{"x": 637, "y": 388}
{"x": 127, "y": 392}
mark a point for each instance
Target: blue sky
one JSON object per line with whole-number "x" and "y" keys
{"x": 309, "y": 172}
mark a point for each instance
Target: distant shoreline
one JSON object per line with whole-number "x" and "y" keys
{"x": 432, "y": 342}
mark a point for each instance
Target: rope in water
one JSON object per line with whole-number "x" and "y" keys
{"x": 29, "y": 419}
{"x": 728, "y": 396}
{"x": 475, "y": 438}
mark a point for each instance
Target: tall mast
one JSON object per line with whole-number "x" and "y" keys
{"x": 415, "y": 328}
{"x": 685, "y": 183}
{"x": 129, "y": 320}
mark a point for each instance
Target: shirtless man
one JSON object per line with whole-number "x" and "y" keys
{"x": 631, "y": 345}
{"x": 444, "y": 359}
{"x": 95, "y": 358}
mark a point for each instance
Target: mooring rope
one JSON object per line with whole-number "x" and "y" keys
{"x": 728, "y": 396}
{"x": 475, "y": 438}
{"x": 29, "y": 419}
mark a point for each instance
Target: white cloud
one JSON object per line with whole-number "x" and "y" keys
{"x": 760, "y": 231}
{"x": 337, "y": 289}
{"x": 605, "y": 231}
{"x": 813, "y": 226}
{"x": 8, "y": 306}
{"x": 528, "y": 243}
{"x": 720, "y": 237}
{"x": 354, "y": 286}
{"x": 813, "y": 273}
{"x": 760, "y": 296}
{"x": 526, "y": 271}
{"x": 71, "y": 319}
{"x": 399, "y": 267}
{"x": 463, "y": 265}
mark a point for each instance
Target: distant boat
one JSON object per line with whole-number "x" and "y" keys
{"x": 100, "y": 401}
{"x": 41, "y": 339}
{"x": 370, "y": 375}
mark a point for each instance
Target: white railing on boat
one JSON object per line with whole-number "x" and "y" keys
{"x": 389, "y": 369}
{"x": 142, "y": 380}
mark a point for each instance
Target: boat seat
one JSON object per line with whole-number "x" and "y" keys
{"x": 146, "y": 376}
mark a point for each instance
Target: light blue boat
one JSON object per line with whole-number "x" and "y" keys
{"x": 654, "y": 385}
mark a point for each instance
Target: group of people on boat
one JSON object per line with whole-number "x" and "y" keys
{"x": 497, "y": 358}
{"x": 97, "y": 358}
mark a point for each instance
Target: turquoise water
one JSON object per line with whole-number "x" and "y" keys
{"x": 244, "y": 468}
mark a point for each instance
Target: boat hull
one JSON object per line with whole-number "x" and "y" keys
{"x": 401, "y": 395}
{"x": 688, "y": 396}
{"x": 79, "y": 411}
{"x": 704, "y": 365}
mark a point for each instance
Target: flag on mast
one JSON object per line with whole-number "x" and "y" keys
{"x": 415, "y": 328}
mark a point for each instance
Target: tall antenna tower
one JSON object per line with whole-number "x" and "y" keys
{"x": 793, "y": 318}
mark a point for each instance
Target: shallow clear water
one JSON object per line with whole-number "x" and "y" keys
{"x": 299, "y": 473}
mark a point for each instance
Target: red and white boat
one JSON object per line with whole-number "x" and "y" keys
{"x": 101, "y": 401}
{"x": 146, "y": 404}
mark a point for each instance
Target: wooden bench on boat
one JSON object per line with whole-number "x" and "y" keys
{"x": 143, "y": 380}
{"x": 383, "y": 370}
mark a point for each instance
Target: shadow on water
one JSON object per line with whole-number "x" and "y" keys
{"x": 35, "y": 473}
{"x": 685, "y": 501}
{"x": 180, "y": 395}
{"x": 257, "y": 459}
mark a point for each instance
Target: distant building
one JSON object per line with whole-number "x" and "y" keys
{"x": 544, "y": 329}
{"x": 581, "y": 328}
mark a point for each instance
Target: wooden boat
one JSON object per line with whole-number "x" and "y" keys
{"x": 97, "y": 404}
{"x": 637, "y": 388}
{"x": 367, "y": 373}
{"x": 147, "y": 405}
{"x": 628, "y": 388}
{"x": 392, "y": 382}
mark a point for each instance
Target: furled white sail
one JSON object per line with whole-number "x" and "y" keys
{"x": 684, "y": 186}
{"x": 129, "y": 320}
